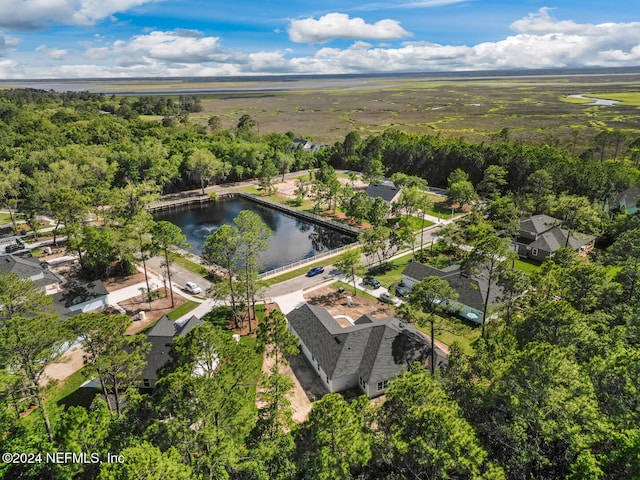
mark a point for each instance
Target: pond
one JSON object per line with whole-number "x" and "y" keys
{"x": 293, "y": 239}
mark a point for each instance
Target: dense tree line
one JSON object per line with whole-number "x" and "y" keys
{"x": 434, "y": 158}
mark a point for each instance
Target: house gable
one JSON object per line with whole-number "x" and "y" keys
{"x": 535, "y": 225}
{"x": 161, "y": 337}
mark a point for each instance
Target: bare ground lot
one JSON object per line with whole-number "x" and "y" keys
{"x": 336, "y": 304}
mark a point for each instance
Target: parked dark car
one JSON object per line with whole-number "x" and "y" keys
{"x": 13, "y": 248}
{"x": 315, "y": 271}
{"x": 372, "y": 282}
{"x": 402, "y": 290}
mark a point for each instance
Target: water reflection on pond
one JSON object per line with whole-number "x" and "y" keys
{"x": 293, "y": 238}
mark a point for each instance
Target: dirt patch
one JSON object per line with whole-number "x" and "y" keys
{"x": 288, "y": 187}
{"x": 336, "y": 304}
{"x": 116, "y": 283}
{"x": 69, "y": 363}
{"x": 307, "y": 387}
{"x": 152, "y": 312}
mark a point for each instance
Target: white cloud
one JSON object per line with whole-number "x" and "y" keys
{"x": 185, "y": 47}
{"x": 53, "y": 53}
{"x": 339, "y": 25}
{"x": 11, "y": 69}
{"x": 7, "y": 42}
{"x": 538, "y": 41}
{"x": 37, "y": 14}
{"x": 541, "y": 22}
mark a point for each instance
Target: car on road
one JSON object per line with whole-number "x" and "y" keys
{"x": 192, "y": 288}
{"x": 13, "y": 248}
{"x": 388, "y": 298}
{"x": 315, "y": 271}
{"x": 372, "y": 282}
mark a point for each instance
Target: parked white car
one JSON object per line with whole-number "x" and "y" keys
{"x": 388, "y": 298}
{"x": 192, "y": 288}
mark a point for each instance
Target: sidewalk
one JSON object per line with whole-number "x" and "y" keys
{"x": 132, "y": 291}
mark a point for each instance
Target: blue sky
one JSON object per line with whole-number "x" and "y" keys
{"x": 140, "y": 38}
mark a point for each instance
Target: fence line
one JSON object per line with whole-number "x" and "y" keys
{"x": 306, "y": 261}
{"x": 299, "y": 213}
{"x": 178, "y": 202}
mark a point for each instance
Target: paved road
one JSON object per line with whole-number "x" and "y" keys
{"x": 301, "y": 282}
{"x": 179, "y": 275}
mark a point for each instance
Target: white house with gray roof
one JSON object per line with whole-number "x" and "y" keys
{"x": 368, "y": 354}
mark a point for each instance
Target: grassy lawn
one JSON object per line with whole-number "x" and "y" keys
{"x": 453, "y": 330}
{"x": 252, "y": 189}
{"x": 182, "y": 310}
{"x": 62, "y": 395}
{"x": 441, "y": 209}
{"x": 4, "y": 218}
{"x": 414, "y": 224}
{"x": 394, "y": 274}
{"x": 527, "y": 266}
{"x": 189, "y": 265}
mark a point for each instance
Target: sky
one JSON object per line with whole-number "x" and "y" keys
{"x": 46, "y": 39}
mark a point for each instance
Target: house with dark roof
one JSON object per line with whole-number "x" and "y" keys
{"x": 471, "y": 289}
{"x": 30, "y": 268}
{"x": 80, "y": 296}
{"x": 541, "y": 235}
{"x": 368, "y": 354}
{"x": 624, "y": 202}
{"x": 385, "y": 190}
{"x": 161, "y": 337}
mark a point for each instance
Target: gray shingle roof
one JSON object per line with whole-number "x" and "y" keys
{"x": 28, "y": 268}
{"x": 165, "y": 327}
{"x": 161, "y": 337}
{"x": 77, "y": 292}
{"x": 386, "y": 190}
{"x": 557, "y": 238}
{"x": 537, "y": 224}
{"x": 376, "y": 350}
{"x": 393, "y": 347}
{"x": 626, "y": 199}
{"x": 471, "y": 288}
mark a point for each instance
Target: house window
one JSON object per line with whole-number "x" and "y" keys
{"x": 363, "y": 384}
{"x": 383, "y": 385}
{"x": 146, "y": 382}
{"x": 327, "y": 379}
{"x": 534, "y": 252}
